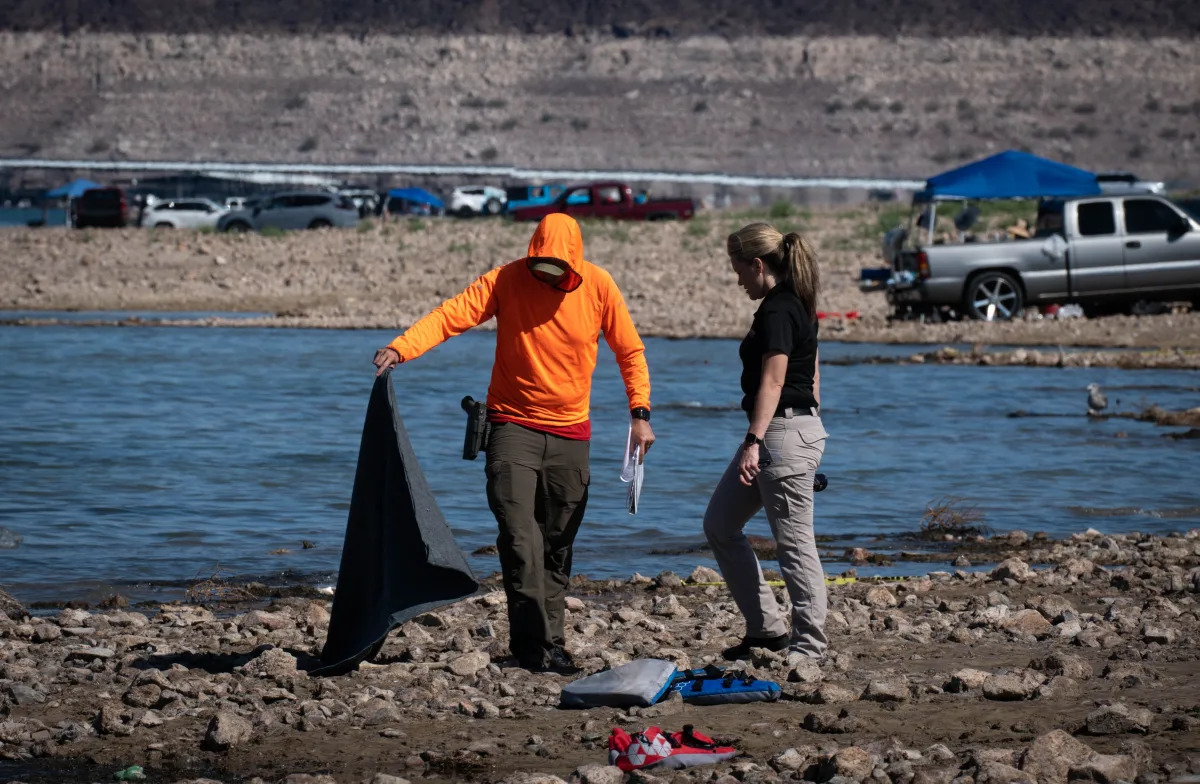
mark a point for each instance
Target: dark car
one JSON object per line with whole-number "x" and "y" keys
{"x": 293, "y": 210}
{"x": 105, "y": 207}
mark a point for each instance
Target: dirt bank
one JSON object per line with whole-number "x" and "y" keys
{"x": 1084, "y": 668}
{"x": 675, "y": 278}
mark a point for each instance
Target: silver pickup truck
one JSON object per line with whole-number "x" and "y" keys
{"x": 1103, "y": 252}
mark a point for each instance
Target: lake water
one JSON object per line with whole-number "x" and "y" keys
{"x": 140, "y": 459}
{"x": 21, "y": 216}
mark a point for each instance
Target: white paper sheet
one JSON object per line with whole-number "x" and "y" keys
{"x": 632, "y": 472}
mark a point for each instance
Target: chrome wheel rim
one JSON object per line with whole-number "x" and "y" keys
{"x": 995, "y": 300}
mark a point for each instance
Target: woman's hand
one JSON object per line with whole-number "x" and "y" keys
{"x": 748, "y": 464}
{"x": 385, "y": 358}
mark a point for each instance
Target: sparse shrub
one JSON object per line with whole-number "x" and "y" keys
{"x": 460, "y": 247}
{"x": 508, "y": 124}
{"x": 472, "y": 127}
{"x": 472, "y": 102}
{"x": 895, "y": 107}
{"x": 547, "y": 117}
{"x": 1084, "y": 130}
{"x": 365, "y": 225}
{"x": 1085, "y": 108}
{"x": 1136, "y": 151}
{"x": 865, "y": 103}
{"x": 579, "y": 124}
{"x": 1169, "y": 134}
{"x": 489, "y": 154}
{"x": 271, "y": 231}
{"x": 964, "y": 109}
{"x": 781, "y": 208}
{"x": 698, "y": 227}
{"x": 1058, "y": 133}
{"x": 755, "y": 122}
{"x": 297, "y": 101}
{"x": 98, "y": 145}
{"x": 834, "y": 105}
{"x": 416, "y": 224}
{"x": 619, "y": 234}
{"x": 950, "y": 515}
{"x": 700, "y": 106}
{"x": 406, "y": 101}
{"x": 931, "y": 106}
{"x": 1152, "y": 104}
{"x": 309, "y": 144}
{"x": 496, "y": 103}
{"x": 1060, "y": 65}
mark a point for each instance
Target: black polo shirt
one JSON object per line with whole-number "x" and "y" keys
{"x": 783, "y": 325}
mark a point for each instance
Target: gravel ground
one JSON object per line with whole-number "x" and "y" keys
{"x": 1082, "y": 668}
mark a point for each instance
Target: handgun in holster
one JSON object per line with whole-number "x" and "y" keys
{"x": 478, "y": 428}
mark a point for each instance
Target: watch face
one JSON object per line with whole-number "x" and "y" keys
{"x": 751, "y": 439}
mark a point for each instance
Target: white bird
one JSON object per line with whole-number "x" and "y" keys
{"x": 1097, "y": 402}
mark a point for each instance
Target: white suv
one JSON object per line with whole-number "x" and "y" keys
{"x": 468, "y": 200}
{"x": 183, "y": 214}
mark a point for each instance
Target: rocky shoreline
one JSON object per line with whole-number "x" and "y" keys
{"x": 1081, "y": 668}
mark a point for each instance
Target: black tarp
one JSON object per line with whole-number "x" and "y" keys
{"x": 399, "y": 558}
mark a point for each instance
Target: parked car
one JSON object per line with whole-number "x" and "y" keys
{"x": 293, "y": 210}
{"x": 1103, "y": 252}
{"x": 470, "y": 200}
{"x": 106, "y": 207}
{"x": 522, "y": 196}
{"x": 613, "y": 200}
{"x": 183, "y": 214}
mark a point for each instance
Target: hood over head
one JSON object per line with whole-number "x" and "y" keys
{"x": 557, "y": 238}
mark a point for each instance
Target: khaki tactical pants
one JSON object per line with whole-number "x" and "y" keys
{"x": 784, "y": 489}
{"x": 537, "y": 487}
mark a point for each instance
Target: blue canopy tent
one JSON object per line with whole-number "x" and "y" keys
{"x": 415, "y": 200}
{"x": 1010, "y": 175}
{"x": 72, "y": 190}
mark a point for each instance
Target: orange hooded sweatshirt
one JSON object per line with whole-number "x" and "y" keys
{"x": 546, "y": 339}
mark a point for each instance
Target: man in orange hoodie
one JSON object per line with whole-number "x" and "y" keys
{"x": 551, "y": 308}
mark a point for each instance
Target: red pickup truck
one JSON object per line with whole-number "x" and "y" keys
{"x": 614, "y": 200}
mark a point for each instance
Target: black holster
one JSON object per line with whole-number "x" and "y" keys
{"x": 478, "y": 428}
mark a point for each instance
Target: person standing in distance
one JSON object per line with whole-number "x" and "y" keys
{"x": 774, "y": 466}
{"x": 550, "y": 307}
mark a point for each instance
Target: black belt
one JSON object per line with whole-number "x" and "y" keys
{"x": 788, "y": 413}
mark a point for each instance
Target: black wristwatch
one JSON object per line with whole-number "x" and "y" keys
{"x": 640, "y": 413}
{"x": 751, "y": 440}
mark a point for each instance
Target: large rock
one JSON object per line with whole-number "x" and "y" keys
{"x": 469, "y": 664}
{"x": 880, "y": 598}
{"x": 1000, "y": 773}
{"x": 272, "y": 663}
{"x": 1118, "y": 718}
{"x": 377, "y": 711}
{"x": 1028, "y": 622}
{"x": 966, "y": 679}
{"x": 225, "y": 730}
{"x": 834, "y": 693}
{"x": 1053, "y": 607}
{"x": 1067, "y": 664}
{"x": 886, "y": 690}
{"x": 1050, "y": 757}
{"x": 1020, "y": 685}
{"x": 853, "y": 763}
{"x": 1011, "y": 569}
{"x": 598, "y": 774}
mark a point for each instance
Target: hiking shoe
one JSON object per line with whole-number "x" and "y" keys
{"x": 742, "y": 649}
{"x": 558, "y": 660}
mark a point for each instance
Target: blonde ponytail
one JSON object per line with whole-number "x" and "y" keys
{"x": 790, "y": 258}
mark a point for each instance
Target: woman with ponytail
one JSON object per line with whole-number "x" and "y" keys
{"x": 774, "y": 466}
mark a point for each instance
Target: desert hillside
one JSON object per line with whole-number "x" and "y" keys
{"x": 864, "y": 89}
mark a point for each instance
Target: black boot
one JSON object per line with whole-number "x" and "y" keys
{"x": 742, "y": 649}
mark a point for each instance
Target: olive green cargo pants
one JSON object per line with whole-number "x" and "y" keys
{"x": 537, "y": 487}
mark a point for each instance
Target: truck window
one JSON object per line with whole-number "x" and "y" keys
{"x": 609, "y": 194}
{"x": 1096, "y": 219}
{"x": 1147, "y": 216}
{"x": 580, "y": 196}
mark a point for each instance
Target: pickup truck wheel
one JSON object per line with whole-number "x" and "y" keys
{"x": 993, "y": 296}
{"x": 237, "y": 226}
{"x": 163, "y": 225}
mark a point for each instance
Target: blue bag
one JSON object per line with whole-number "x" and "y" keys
{"x": 714, "y": 685}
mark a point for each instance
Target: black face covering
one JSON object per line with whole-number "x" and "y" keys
{"x": 554, "y": 272}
